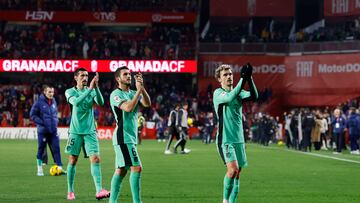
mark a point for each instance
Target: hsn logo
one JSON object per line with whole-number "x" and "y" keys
{"x": 39, "y": 15}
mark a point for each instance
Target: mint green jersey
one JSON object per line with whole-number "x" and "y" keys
{"x": 82, "y": 112}
{"x": 126, "y": 122}
{"x": 228, "y": 108}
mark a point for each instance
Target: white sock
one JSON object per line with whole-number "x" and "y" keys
{"x": 39, "y": 168}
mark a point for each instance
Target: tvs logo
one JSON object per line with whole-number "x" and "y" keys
{"x": 39, "y": 15}
{"x": 105, "y": 16}
{"x": 156, "y": 17}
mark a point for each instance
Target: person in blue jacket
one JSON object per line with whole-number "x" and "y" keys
{"x": 353, "y": 126}
{"x": 44, "y": 114}
{"x": 338, "y": 124}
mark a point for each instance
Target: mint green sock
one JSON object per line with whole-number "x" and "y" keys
{"x": 96, "y": 174}
{"x": 235, "y": 191}
{"x": 135, "y": 186}
{"x": 228, "y": 186}
{"x": 71, "y": 170}
{"x": 115, "y": 188}
{"x": 39, "y": 162}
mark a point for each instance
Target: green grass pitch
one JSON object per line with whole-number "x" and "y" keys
{"x": 274, "y": 175}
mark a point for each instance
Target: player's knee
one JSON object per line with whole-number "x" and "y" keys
{"x": 233, "y": 172}
{"x": 73, "y": 160}
{"x": 95, "y": 159}
{"x": 136, "y": 169}
{"x": 121, "y": 171}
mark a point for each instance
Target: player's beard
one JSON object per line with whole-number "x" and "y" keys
{"x": 126, "y": 83}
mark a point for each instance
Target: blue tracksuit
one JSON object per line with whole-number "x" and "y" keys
{"x": 352, "y": 124}
{"x": 44, "y": 114}
{"x": 338, "y": 125}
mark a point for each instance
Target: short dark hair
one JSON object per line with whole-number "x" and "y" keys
{"x": 117, "y": 72}
{"x": 184, "y": 103}
{"x": 78, "y": 70}
{"x": 46, "y": 86}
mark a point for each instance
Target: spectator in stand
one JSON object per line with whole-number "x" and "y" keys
{"x": 44, "y": 114}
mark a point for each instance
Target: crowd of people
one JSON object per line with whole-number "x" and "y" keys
{"x": 77, "y": 41}
{"x": 308, "y": 129}
{"x": 281, "y": 32}
{"x": 100, "y": 5}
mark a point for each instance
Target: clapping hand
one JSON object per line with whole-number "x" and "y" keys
{"x": 139, "y": 82}
{"x": 95, "y": 81}
{"x": 246, "y": 71}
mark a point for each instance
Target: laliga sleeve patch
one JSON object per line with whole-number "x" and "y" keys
{"x": 117, "y": 98}
{"x": 222, "y": 94}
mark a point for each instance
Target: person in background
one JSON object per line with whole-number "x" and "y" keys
{"x": 171, "y": 127}
{"x": 141, "y": 124}
{"x": 353, "y": 126}
{"x": 338, "y": 124}
{"x": 44, "y": 114}
{"x": 182, "y": 127}
{"x": 323, "y": 130}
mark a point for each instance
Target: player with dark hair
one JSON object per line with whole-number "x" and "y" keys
{"x": 82, "y": 131}
{"x": 230, "y": 135}
{"x": 124, "y": 104}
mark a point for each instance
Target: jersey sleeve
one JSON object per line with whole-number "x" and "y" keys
{"x": 244, "y": 94}
{"x": 116, "y": 99}
{"x": 69, "y": 93}
{"x": 221, "y": 96}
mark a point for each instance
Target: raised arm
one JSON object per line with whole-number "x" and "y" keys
{"x": 75, "y": 99}
{"x": 226, "y": 97}
{"x": 145, "y": 99}
{"x": 129, "y": 106}
{"x": 254, "y": 95}
{"x": 99, "y": 99}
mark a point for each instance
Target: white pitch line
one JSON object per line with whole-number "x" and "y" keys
{"x": 318, "y": 155}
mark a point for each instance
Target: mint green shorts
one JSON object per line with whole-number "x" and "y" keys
{"x": 88, "y": 142}
{"x": 126, "y": 155}
{"x": 233, "y": 152}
